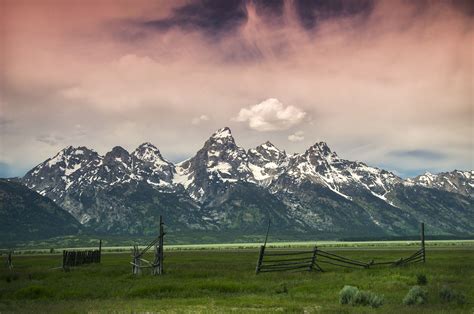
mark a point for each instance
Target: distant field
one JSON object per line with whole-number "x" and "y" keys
{"x": 199, "y": 279}
{"x": 326, "y": 244}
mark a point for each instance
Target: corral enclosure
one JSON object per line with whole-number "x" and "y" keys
{"x": 225, "y": 280}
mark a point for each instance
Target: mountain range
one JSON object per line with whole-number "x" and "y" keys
{"x": 225, "y": 192}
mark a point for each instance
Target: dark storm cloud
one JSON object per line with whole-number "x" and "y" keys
{"x": 464, "y": 6}
{"x": 211, "y": 16}
{"x": 418, "y": 154}
{"x": 216, "y": 17}
{"x": 312, "y": 12}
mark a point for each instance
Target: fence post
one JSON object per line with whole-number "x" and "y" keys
{"x": 423, "y": 240}
{"x": 260, "y": 259}
{"x": 313, "y": 258}
{"x": 136, "y": 269}
{"x": 160, "y": 248}
{"x": 9, "y": 260}
{"x": 100, "y": 250}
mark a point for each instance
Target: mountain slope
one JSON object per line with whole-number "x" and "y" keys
{"x": 26, "y": 215}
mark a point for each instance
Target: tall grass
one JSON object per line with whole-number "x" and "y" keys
{"x": 225, "y": 281}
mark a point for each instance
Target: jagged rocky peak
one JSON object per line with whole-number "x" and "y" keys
{"x": 223, "y": 133}
{"x": 220, "y": 160}
{"x": 150, "y": 165}
{"x": 266, "y": 152}
{"x": 320, "y": 148}
{"x": 69, "y": 152}
{"x": 222, "y": 136}
{"x": 268, "y": 147}
{"x": 266, "y": 162}
{"x": 117, "y": 153}
{"x": 221, "y": 146}
{"x": 455, "y": 181}
{"x": 67, "y": 158}
{"x": 148, "y": 152}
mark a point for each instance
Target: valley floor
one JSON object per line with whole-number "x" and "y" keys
{"x": 225, "y": 281}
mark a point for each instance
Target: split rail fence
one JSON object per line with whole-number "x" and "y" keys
{"x": 308, "y": 260}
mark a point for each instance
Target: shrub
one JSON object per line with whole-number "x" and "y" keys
{"x": 354, "y": 296}
{"x": 347, "y": 294}
{"x": 367, "y": 298}
{"x": 415, "y": 296}
{"x": 421, "y": 279}
{"x": 447, "y": 294}
{"x": 376, "y": 300}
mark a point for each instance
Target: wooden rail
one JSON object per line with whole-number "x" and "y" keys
{"x": 278, "y": 262}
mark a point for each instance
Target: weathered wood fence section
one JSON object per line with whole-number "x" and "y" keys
{"x": 138, "y": 263}
{"x": 77, "y": 258}
{"x": 324, "y": 257}
{"x": 272, "y": 261}
{"x": 418, "y": 256}
{"x": 285, "y": 261}
{"x": 307, "y": 260}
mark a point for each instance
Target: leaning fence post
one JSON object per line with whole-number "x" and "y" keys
{"x": 260, "y": 259}
{"x": 423, "y": 240}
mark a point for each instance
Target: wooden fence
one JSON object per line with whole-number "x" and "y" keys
{"x": 307, "y": 260}
{"x": 324, "y": 257}
{"x": 418, "y": 256}
{"x": 77, "y": 258}
{"x": 285, "y": 261}
{"x": 138, "y": 263}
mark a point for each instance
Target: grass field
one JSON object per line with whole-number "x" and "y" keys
{"x": 224, "y": 281}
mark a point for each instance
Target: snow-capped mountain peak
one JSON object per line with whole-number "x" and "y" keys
{"x": 320, "y": 148}
{"x": 219, "y": 161}
{"x": 149, "y": 153}
{"x": 455, "y": 181}
{"x": 222, "y": 135}
{"x": 266, "y": 162}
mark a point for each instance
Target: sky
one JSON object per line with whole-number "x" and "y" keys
{"x": 389, "y": 83}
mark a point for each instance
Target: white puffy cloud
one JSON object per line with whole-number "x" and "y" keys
{"x": 198, "y": 120}
{"x": 296, "y": 137}
{"x": 271, "y": 115}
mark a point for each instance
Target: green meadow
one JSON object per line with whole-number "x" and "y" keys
{"x": 210, "y": 280}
